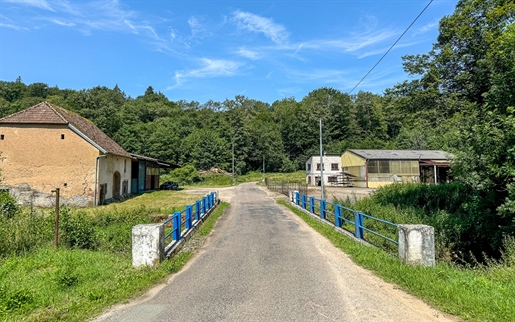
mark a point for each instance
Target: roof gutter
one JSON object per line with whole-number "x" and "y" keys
{"x": 82, "y": 135}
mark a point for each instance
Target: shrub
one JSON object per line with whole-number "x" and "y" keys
{"x": 8, "y": 204}
{"x": 465, "y": 225}
{"x": 77, "y": 229}
{"x": 184, "y": 175}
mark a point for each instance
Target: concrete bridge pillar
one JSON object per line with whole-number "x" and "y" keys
{"x": 148, "y": 246}
{"x": 417, "y": 244}
{"x": 293, "y": 196}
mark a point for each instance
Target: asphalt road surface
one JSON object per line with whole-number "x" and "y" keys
{"x": 262, "y": 263}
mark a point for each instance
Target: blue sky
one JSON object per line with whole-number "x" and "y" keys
{"x": 202, "y": 50}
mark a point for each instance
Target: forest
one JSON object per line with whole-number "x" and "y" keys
{"x": 459, "y": 97}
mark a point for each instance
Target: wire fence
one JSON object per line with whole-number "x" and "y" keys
{"x": 284, "y": 187}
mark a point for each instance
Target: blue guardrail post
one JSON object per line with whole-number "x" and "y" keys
{"x": 304, "y": 201}
{"x": 312, "y": 204}
{"x": 337, "y": 215}
{"x": 189, "y": 215}
{"x": 176, "y": 226}
{"x": 358, "y": 224}
{"x": 197, "y": 210}
{"x": 204, "y": 201}
{"x": 213, "y": 198}
{"x": 322, "y": 208}
{"x": 297, "y": 198}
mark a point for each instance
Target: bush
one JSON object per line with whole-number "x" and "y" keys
{"x": 77, "y": 229}
{"x": 184, "y": 175}
{"x": 465, "y": 225}
{"x": 8, "y": 204}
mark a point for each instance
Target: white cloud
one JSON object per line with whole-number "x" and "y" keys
{"x": 250, "y": 54}
{"x": 210, "y": 68}
{"x": 11, "y": 26}
{"x": 383, "y": 50}
{"x": 195, "y": 26}
{"x": 327, "y": 76}
{"x": 353, "y": 44}
{"x": 42, "y": 4}
{"x": 245, "y": 20}
{"x": 62, "y": 23}
{"x": 425, "y": 28}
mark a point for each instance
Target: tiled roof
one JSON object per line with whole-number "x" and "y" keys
{"x": 42, "y": 113}
{"x": 403, "y": 154}
{"x": 46, "y": 113}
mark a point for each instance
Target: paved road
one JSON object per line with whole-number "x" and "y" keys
{"x": 262, "y": 263}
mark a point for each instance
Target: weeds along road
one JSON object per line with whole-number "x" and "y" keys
{"x": 263, "y": 263}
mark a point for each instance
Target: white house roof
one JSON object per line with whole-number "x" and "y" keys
{"x": 403, "y": 154}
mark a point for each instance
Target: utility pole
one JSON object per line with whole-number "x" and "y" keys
{"x": 233, "y": 162}
{"x": 321, "y": 155}
{"x": 321, "y": 162}
{"x": 263, "y": 166}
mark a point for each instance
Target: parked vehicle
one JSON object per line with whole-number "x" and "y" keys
{"x": 169, "y": 185}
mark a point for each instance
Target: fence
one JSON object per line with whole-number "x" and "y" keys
{"x": 148, "y": 241}
{"x": 415, "y": 242}
{"x": 285, "y": 187}
{"x": 182, "y": 221}
{"x": 334, "y": 213}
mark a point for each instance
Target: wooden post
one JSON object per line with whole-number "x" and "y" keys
{"x": 56, "y": 223}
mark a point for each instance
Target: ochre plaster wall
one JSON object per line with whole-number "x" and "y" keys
{"x": 37, "y": 156}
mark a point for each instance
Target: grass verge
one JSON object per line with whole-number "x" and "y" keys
{"x": 71, "y": 284}
{"x": 481, "y": 294}
{"x": 210, "y": 222}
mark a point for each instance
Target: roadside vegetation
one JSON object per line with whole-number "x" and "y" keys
{"x": 91, "y": 269}
{"x": 484, "y": 292}
{"x": 189, "y": 177}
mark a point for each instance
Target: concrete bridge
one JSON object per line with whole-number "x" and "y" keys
{"x": 263, "y": 263}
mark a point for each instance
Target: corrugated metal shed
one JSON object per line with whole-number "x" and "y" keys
{"x": 403, "y": 154}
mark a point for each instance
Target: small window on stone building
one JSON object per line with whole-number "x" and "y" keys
{"x": 62, "y": 136}
{"x": 124, "y": 166}
{"x": 1, "y": 136}
{"x": 334, "y": 166}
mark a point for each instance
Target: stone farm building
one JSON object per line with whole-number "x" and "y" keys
{"x": 46, "y": 147}
{"x": 375, "y": 168}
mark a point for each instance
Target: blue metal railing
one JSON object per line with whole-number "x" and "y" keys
{"x": 184, "y": 220}
{"x": 325, "y": 209}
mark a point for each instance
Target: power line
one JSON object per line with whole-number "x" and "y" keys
{"x": 395, "y": 43}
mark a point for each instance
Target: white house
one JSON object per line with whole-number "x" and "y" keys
{"x": 331, "y": 167}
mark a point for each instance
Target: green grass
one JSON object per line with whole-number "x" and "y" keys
{"x": 71, "y": 284}
{"x": 210, "y": 222}
{"x": 486, "y": 293}
{"x": 221, "y": 180}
